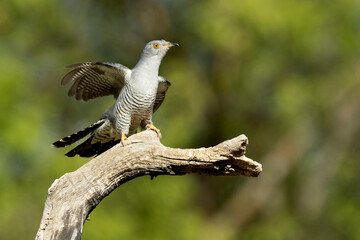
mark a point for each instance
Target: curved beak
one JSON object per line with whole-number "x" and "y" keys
{"x": 174, "y": 44}
{"x": 170, "y": 44}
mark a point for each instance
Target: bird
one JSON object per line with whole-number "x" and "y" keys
{"x": 139, "y": 92}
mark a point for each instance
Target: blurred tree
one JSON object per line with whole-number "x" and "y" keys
{"x": 285, "y": 73}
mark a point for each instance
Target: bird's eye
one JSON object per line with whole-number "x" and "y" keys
{"x": 156, "y": 45}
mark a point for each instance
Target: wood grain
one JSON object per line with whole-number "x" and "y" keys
{"x": 72, "y": 197}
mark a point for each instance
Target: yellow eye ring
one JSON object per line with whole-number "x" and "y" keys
{"x": 156, "y": 45}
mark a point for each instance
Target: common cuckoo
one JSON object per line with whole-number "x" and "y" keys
{"x": 139, "y": 92}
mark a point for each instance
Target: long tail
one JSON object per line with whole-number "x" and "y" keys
{"x": 88, "y": 149}
{"x": 77, "y": 136}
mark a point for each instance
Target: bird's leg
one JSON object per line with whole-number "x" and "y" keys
{"x": 123, "y": 138}
{"x": 152, "y": 127}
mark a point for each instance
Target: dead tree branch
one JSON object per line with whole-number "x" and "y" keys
{"x": 72, "y": 197}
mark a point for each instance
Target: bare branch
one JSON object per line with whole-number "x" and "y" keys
{"x": 72, "y": 197}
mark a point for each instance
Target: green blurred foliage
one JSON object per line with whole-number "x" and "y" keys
{"x": 285, "y": 73}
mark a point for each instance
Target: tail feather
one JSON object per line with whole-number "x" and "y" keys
{"x": 88, "y": 149}
{"x": 77, "y": 136}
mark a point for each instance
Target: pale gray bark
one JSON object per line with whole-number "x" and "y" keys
{"x": 72, "y": 197}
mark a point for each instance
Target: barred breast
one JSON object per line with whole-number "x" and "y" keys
{"x": 131, "y": 108}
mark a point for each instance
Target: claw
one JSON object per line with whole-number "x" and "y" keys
{"x": 152, "y": 127}
{"x": 123, "y": 138}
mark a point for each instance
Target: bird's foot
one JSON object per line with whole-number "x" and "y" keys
{"x": 123, "y": 138}
{"x": 152, "y": 127}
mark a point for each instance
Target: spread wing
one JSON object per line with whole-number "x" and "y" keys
{"x": 163, "y": 86}
{"x": 95, "y": 79}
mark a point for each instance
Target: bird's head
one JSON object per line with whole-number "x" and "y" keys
{"x": 158, "y": 48}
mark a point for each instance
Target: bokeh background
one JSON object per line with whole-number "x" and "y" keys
{"x": 285, "y": 73}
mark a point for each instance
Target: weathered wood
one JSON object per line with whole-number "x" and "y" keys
{"x": 72, "y": 197}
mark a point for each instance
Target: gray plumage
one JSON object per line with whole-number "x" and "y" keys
{"x": 139, "y": 92}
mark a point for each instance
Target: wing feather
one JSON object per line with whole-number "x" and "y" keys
{"x": 163, "y": 86}
{"x": 95, "y": 79}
